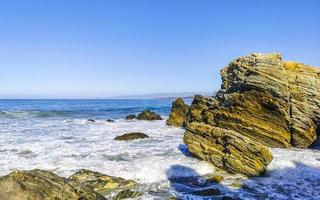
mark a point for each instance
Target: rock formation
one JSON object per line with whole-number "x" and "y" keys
{"x": 148, "y": 115}
{"x": 43, "y": 185}
{"x": 263, "y": 102}
{"x": 178, "y": 115}
{"x": 131, "y": 136}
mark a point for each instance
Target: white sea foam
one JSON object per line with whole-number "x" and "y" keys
{"x": 65, "y": 146}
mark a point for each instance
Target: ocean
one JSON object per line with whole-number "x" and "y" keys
{"x": 56, "y": 135}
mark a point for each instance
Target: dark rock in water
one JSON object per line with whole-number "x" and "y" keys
{"x": 148, "y": 115}
{"x": 207, "y": 192}
{"x": 124, "y": 194}
{"x": 39, "y": 184}
{"x": 178, "y": 115}
{"x": 110, "y": 120}
{"x": 101, "y": 183}
{"x": 130, "y": 117}
{"x": 131, "y": 136}
{"x": 91, "y": 120}
{"x": 263, "y": 102}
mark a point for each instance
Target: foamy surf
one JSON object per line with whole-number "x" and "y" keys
{"x": 160, "y": 163}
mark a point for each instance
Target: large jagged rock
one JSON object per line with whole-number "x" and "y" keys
{"x": 227, "y": 149}
{"x": 178, "y": 115}
{"x": 262, "y": 98}
{"x": 43, "y": 185}
{"x": 101, "y": 183}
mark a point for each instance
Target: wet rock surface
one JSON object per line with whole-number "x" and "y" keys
{"x": 101, "y": 183}
{"x": 131, "y": 136}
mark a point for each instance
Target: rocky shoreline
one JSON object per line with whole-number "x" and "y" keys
{"x": 264, "y": 102}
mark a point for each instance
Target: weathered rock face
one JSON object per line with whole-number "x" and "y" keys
{"x": 227, "y": 149}
{"x": 178, "y": 115}
{"x": 131, "y": 136}
{"x": 274, "y": 102}
{"x": 101, "y": 183}
{"x": 148, "y": 115}
{"x": 262, "y": 99}
{"x": 43, "y": 185}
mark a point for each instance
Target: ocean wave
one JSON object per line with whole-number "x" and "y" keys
{"x": 33, "y": 113}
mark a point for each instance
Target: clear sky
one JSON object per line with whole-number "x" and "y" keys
{"x": 87, "y": 49}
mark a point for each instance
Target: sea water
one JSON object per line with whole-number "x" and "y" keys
{"x": 56, "y": 135}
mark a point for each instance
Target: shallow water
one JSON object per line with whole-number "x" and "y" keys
{"x": 55, "y": 135}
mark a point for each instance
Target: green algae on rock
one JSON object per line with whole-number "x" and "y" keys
{"x": 131, "y": 136}
{"x": 178, "y": 114}
{"x": 148, "y": 115}
{"x": 43, "y": 185}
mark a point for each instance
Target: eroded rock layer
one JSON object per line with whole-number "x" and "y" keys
{"x": 262, "y": 99}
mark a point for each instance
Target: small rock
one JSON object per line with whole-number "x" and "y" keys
{"x": 101, "y": 183}
{"x": 127, "y": 194}
{"x": 236, "y": 185}
{"x": 131, "y": 136}
{"x": 131, "y": 117}
{"x": 110, "y": 120}
{"x": 91, "y": 120}
{"x": 216, "y": 179}
{"x": 148, "y": 115}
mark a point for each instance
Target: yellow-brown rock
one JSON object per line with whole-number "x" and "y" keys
{"x": 262, "y": 99}
{"x": 43, "y": 185}
{"x": 227, "y": 149}
{"x": 101, "y": 183}
{"x": 178, "y": 115}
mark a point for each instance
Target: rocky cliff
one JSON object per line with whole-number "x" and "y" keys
{"x": 262, "y": 99}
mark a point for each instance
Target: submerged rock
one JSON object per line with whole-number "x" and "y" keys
{"x": 178, "y": 115}
{"x": 131, "y": 136}
{"x": 263, "y": 102}
{"x": 148, "y": 115}
{"x": 101, "y": 183}
{"x": 91, "y": 120}
{"x": 110, "y": 120}
{"x": 131, "y": 117}
{"x": 39, "y": 184}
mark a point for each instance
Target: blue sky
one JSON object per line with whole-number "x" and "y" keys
{"x": 88, "y": 49}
